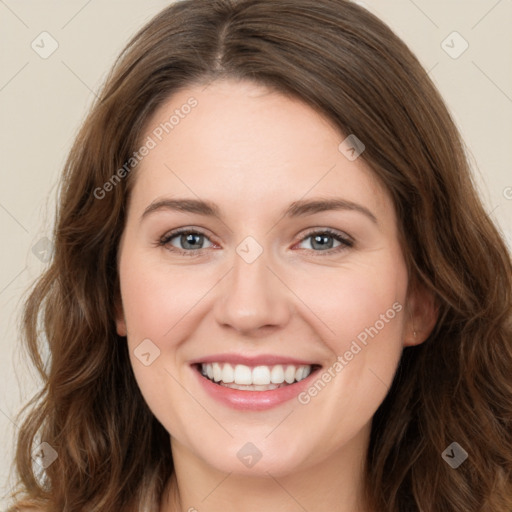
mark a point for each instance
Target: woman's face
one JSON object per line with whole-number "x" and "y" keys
{"x": 259, "y": 254}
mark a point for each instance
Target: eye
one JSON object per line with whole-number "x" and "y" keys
{"x": 189, "y": 241}
{"x": 326, "y": 241}
{"x": 185, "y": 241}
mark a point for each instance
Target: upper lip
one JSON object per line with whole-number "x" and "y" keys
{"x": 256, "y": 360}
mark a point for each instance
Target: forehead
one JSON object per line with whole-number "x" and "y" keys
{"x": 243, "y": 144}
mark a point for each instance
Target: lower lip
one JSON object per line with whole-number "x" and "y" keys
{"x": 253, "y": 400}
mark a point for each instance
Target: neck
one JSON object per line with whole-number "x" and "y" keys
{"x": 335, "y": 484}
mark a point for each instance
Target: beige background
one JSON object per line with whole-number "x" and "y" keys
{"x": 42, "y": 102}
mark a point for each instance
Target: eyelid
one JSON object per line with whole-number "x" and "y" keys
{"x": 333, "y": 232}
{"x": 180, "y": 231}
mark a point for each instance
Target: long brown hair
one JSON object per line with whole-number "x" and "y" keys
{"x": 341, "y": 60}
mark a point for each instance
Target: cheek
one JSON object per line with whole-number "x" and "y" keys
{"x": 161, "y": 304}
{"x": 363, "y": 309}
{"x": 372, "y": 310}
{"x": 354, "y": 301}
{"x": 155, "y": 305}
{"x": 154, "y": 298}
{"x": 362, "y": 320}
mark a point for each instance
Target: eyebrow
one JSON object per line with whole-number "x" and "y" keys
{"x": 299, "y": 208}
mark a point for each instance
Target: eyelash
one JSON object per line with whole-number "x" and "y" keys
{"x": 345, "y": 241}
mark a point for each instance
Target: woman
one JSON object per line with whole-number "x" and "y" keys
{"x": 274, "y": 286}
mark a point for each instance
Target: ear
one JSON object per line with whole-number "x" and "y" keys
{"x": 119, "y": 313}
{"x": 421, "y": 313}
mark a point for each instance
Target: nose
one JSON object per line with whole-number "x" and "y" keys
{"x": 252, "y": 298}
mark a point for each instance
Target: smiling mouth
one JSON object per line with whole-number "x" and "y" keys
{"x": 257, "y": 378}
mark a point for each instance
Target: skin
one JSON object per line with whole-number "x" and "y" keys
{"x": 253, "y": 152}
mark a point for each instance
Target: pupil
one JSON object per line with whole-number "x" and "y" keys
{"x": 323, "y": 241}
{"x": 190, "y": 240}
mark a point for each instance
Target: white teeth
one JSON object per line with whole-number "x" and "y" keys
{"x": 228, "y": 374}
{"x": 243, "y": 374}
{"x": 259, "y": 378}
{"x": 289, "y": 374}
{"x": 217, "y": 372}
{"x": 270, "y": 387}
{"x": 277, "y": 374}
{"x": 302, "y": 372}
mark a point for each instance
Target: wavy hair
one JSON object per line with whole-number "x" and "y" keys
{"x": 350, "y": 67}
